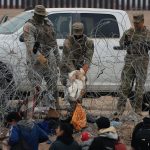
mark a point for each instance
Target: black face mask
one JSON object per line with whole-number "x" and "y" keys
{"x": 77, "y": 37}
{"x": 39, "y": 18}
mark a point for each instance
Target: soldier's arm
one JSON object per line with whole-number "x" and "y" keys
{"x": 122, "y": 40}
{"x": 125, "y": 41}
{"x": 55, "y": 47}
{"x": 88, "y": 55}
{"x": 67, "y": 56}
{"x": 89, "y": 52}
{"x": 29, "y": 33}
{"x": 148, "y": 40}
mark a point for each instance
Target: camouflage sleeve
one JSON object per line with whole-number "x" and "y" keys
{"x": 29, "y": 33}
{"x": 89, "y": 52}
{"x": 148, "y": 40}
{"x": 122, "y": 40}
{"x": 67, "y": 55}
{"x": 57, "y": 55}
{"x": 125, "y": 40}
{"x": 55, "y": 46}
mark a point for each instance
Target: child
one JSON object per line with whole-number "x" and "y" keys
{"x": 86, "y": 140}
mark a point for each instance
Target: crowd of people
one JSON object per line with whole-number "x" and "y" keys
{"x": 28, "y": 134}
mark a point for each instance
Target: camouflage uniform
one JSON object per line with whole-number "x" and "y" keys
{"x": 137, "y": 44}
{"x": 44, "y": 34}
{"x": 76, "y": 53}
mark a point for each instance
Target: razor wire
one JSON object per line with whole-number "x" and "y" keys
{"x": 13, "y": 67}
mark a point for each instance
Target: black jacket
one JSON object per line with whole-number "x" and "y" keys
{"x": 106, "y": 139}
{"x": 65, "y": 143}
{"x": 144, "y": 128}
{"x": 102, "y": 143}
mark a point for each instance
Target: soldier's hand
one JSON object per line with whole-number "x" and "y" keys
{"x": 41, "y": 59}
{"x": 85, "y": 68}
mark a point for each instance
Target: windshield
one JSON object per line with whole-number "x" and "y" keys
{"x": 15, "y": 23}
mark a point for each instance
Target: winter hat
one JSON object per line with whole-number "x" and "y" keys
{"x": 103, "y": 122}
{"x": 85, "y": 136}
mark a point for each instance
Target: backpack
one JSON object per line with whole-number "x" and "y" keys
{"x": 142, "y": 137}
{"x": 120, "y": 146}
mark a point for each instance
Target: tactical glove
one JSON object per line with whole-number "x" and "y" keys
{"x": 41, "y": 59}
{"x": 85, "y": 68}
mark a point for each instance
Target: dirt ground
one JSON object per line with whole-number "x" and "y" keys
{"x": 105, "y": 106}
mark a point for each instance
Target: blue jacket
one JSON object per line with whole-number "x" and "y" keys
{"x": 31, "y": 133}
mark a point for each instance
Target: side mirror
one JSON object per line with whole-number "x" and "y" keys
{"x": 4, "y": 19}
{"x": 21, "y": 38}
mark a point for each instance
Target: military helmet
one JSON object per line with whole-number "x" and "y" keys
{"x": 77, "y": 28}
{"x": 137, "y": 18}
{"x": 40, "y": 10}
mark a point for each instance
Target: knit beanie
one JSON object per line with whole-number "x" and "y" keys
{"x": 103, "y": 122}
{"x": 85, "y": 136}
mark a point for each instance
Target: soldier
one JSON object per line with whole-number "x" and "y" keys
{"x": 42, "y": 52}
{"x": 136, "y": 41}
{"x": 77, "y": 53}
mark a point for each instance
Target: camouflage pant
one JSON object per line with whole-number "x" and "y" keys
{"x": 135, "y": 69}
{"x": 49, "y": 73}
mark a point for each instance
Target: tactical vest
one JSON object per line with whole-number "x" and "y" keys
{"x": 45, "y": 35}
{"x": 78, "y": 50}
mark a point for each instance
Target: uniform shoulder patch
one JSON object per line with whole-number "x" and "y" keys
{"x": 27, "y": 27}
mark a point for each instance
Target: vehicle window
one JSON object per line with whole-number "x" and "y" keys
{"x": 15, "y": 23}
{"x": 100, "y": 25}
{"x": 62, "y": 23}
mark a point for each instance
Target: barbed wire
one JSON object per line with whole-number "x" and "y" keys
{"x": 104, "y": 74}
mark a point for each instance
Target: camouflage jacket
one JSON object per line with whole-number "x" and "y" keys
{"x": 76, "y": 53}
{"x": 136, "y": 41}
{"x": 42, "y": 33}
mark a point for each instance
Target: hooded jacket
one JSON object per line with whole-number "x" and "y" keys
{"x": 29, "y": 132}
{"x": 106, "y": 139}
{"x": 65, "y": 143}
